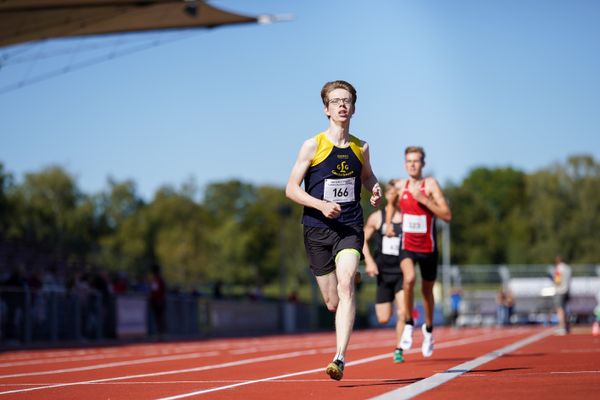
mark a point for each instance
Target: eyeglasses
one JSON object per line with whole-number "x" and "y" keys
{"x": 338, "y": 101}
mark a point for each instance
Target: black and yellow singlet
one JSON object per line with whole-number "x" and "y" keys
{"x": 335, "y": 175}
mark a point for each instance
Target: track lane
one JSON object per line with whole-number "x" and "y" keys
{"x": 269, "y": 371}
{"x": 556, "y": 367}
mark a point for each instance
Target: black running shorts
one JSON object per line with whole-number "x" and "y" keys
{"x": 428, "y": 263}
{"x": 323, "y": 244}
{"x": 387, "y": 287}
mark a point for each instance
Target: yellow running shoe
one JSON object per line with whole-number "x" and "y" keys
{"x": 335, "y": 370}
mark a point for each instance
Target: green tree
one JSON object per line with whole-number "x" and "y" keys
{"x": 51, "y": 212}
{"x": 122, "y": 243}
{"x": 228, "y": 204}
{"x": 564, "y": 202}
{"x": 483, "y": 211}
{"x": 121, "y": 202}
{"x": 179, "y": 235}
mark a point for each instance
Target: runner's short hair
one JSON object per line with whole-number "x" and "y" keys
{"x": 329, "y": 86}
{"x": 415, "y": 149}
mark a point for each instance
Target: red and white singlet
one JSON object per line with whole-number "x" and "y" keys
{"x": 418, "y": 223}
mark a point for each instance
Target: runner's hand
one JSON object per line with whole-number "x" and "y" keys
{"x": 389, "y": 231}
{"x": 371, "y": 268}
{"x": 376, "y": 196}
{"x": 331, "y": 209}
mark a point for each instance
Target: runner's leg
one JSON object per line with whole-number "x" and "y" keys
{"x": 408, "y": 270}
{"x": 328, "y": 285}
{"x": 428, "y": 301}
{"x": 346, "y": 266}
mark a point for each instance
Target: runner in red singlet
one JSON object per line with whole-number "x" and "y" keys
{"x": 420, "y": 236}
{"x": 421, "y": 201}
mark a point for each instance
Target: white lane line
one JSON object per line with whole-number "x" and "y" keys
{"x": 78, "y": 355}
{"x": 114, "y": 364}
{"x": 424, "y": 385}
{"x": 172, "y": 372}
{"x": 90, "y": 357}
{"x": 378, "y": 357}
{"x": 459, "y": 342}
{"x": 181, "y": 396}
{"x": 347, "y": 380}
{"x": 156, "y": 383}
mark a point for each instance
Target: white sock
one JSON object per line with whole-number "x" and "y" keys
{"x": 338, "y": 357}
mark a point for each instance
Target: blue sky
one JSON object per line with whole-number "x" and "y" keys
{"x": 477, "y": 83}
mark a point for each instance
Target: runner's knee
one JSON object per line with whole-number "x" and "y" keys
{"x": 331, "y": 306}
{"x": 346, "y": 288}
{"x": 427, "y": 288}
{"x": 331, "y": 301}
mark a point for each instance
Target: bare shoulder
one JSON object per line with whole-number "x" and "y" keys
{"x": 399, "y": 183}
{"x": 308, "y": 149}
{"x": 432, "y": 185}
{"x": 433, "y": 181}
{"x": 310, "y": 143}
{"x": 430, "y": 181}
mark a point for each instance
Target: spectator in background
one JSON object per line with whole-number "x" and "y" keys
{"x": 561, "y": 277}
{"x": 455, "y": 299}
{"x": 505, "y": 304}
{"x": 510, "y": 306}
{"x": 256, "y": 292}
{"x": 120, "y": 285}
{"x": 12, "y": 293}
{"x": 596, "y": 323}
{"x": 157, "y": 300}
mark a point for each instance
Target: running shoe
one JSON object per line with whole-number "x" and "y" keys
{"x": 335, "y": 370}
{"x": 406, "y": 339}
{"x": 427, "y": 346}
{"x": 398, "y": 356}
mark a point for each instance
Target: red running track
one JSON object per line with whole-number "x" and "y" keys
{"x": 491, "y": 363}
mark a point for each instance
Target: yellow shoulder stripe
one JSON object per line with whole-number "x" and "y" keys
{"x": 356, "y": 146}
{"x": 324, "y": 147}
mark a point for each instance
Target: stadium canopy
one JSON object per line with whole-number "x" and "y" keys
{"x": 23, "y": 21}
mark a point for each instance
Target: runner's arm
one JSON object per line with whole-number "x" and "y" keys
{"x": 373, "y": 221}
{"x": 390, "y": 209}
{"x": 436, "y": 201}
{"x": 368, "y": 178}
{"x": 293, "y": 189}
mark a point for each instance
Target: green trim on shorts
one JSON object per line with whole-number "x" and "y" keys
{"x": 354, "y": 251}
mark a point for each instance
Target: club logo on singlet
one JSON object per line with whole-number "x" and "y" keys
{"x": 342, "y": 169}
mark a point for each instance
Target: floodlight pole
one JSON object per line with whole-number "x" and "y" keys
{"x": 446, "y": 278}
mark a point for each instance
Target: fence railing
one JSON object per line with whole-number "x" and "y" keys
{"x": 53, "y": 315}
